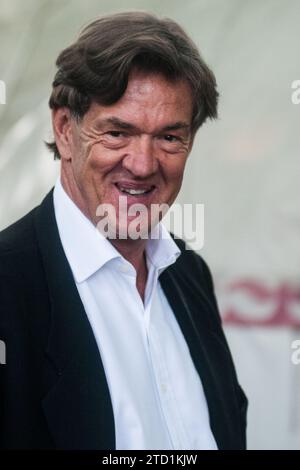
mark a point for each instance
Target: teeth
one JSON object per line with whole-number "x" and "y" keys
{"x": 134, "y": 191}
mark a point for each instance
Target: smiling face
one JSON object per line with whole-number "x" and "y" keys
{"x": 136, "y": 148}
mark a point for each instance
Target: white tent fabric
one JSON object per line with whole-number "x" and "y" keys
{"x": 244, "y": 167}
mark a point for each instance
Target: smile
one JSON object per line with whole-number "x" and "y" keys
{"x": 133, "y": 190}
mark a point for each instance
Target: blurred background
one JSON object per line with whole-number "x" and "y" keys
{"x": 244, "y": 167}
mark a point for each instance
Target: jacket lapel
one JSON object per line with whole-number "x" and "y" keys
{"x": 77, "y": 404}
{"x": 209, "y": 353}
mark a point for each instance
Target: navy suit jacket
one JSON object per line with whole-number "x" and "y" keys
{"x": 53, "y": 389}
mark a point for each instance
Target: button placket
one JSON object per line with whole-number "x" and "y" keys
{"x": 165, "y": 394}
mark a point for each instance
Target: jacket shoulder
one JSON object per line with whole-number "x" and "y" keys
{"x": 19, "y": 235}
{"x": 192, "y": 265}
{"x": 18, "y": 246}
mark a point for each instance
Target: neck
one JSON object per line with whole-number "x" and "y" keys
{"x": 134, "y": 252}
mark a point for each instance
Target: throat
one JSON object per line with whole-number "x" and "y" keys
{"x": 141, "y": 279}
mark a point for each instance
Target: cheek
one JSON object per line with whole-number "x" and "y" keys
{"x": 102, "y": 159}
{"x": 174, "y": 171}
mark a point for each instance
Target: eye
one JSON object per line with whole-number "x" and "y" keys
{"x": 115, "y": 134}
{"x": 171, "y": 138}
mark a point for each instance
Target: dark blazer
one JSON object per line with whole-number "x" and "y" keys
{"x": 53, "y": 389}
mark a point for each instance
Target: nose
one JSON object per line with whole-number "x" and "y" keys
{"x": 140, "y": 159}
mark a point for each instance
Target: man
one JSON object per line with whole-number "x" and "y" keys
{"x": 115, "y": 342}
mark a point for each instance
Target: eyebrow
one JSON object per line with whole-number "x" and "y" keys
{"x": 128, "y": 126}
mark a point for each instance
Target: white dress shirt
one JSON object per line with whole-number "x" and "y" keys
{"x": 157, "y": 396}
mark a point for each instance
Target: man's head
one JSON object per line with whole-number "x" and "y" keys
{"x": 127, "y": 100}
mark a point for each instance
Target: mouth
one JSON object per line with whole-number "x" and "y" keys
{"x": 134, "y": 189}
{"x": 141, "y": 197}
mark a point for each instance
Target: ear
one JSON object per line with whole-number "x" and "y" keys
{"x": 62, "y": 129}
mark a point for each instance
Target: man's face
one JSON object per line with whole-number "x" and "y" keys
{"x": 136, "y": 148}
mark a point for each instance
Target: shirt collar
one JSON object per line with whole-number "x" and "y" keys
{"x": 87, "y": 250}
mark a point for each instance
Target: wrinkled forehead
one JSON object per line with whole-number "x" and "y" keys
{"x": 150, "y": 101}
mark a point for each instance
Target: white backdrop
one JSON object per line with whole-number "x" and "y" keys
{"x": 244, "y": 167}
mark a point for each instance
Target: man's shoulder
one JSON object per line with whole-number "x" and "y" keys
{"x": 21, "y": 235}
{"x": 18, "y": 236}
{"x": 18, "y": 247}
{"x": 194, "y": 278}
{"x": 191, "y": 262}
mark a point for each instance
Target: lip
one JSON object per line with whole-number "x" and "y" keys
{"x": 134, "y": 185}
{"x": 144, "y": 198}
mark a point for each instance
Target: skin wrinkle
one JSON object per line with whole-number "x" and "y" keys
{"x": 97, "y": 151}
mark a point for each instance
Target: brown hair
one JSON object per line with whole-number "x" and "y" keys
{"x": 96, "y": 67}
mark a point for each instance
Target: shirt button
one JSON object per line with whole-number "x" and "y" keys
{"x": 163, "y": 387}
